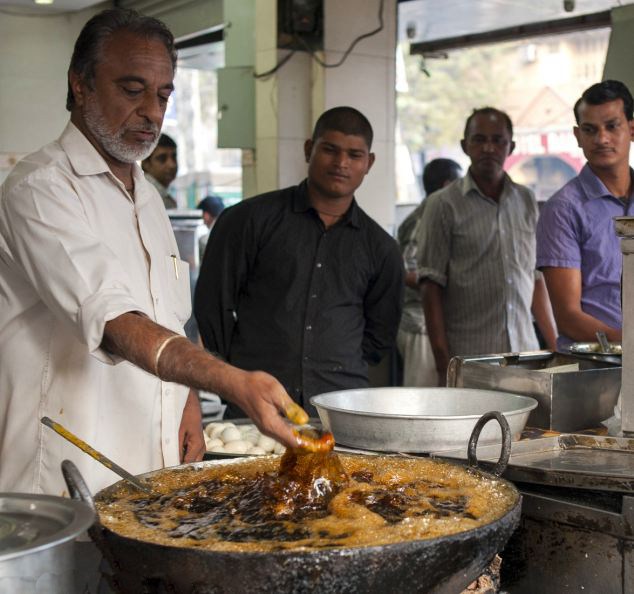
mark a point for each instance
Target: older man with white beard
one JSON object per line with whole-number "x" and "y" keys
{"x": 93, "y": 295}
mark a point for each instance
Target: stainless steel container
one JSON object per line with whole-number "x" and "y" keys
{"x": 189, "y": 228}
{"x": 417, "y": 419}
{"x": 568, "y": 400}
{"x": 37, "y": 538}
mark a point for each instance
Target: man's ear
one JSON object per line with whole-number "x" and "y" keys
{"x": 630, "y": 123}
{"x": 308, "y": 149}
{"x": 371, "y": 159}
{"x": 463, "y": 146}
{"x": 576, "y": 132}
{"x": 77, "y": 87}
{"x": 511, "y": 146}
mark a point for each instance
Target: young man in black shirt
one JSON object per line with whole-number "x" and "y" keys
{"x": 300, "y": 282}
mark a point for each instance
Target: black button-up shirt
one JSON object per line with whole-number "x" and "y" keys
{"x": 312, "y": 306}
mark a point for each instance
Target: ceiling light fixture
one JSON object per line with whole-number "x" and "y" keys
{"x": 44, "y": 1}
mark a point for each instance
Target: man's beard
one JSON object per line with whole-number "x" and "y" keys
{"x": 113, "y": 143}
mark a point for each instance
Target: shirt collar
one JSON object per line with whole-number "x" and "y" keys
{"x": 592, "y": 186}
{"x": 83, "y": 156}
{"x": 86, "y": 160}
{"x": 468, "y": 184}
{"x": 301, "y": 203}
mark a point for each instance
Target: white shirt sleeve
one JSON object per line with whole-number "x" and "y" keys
{"x": 75, "y": 274}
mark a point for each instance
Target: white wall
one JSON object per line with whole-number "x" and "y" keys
{"x": 35, "y": 53}
{"x": 366, "y": 81}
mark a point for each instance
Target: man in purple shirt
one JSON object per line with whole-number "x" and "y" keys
{"x": 577, "y": 247}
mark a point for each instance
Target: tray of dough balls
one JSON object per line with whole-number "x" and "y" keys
{"x": 240, "y": 437}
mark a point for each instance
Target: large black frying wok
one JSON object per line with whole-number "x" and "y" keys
{"x": 439, "y": 565}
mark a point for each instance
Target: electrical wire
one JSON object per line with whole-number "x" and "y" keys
{"x": 273, "y": 70}
{"x": 352, "y": 45}
{"x": 317, "y": 59}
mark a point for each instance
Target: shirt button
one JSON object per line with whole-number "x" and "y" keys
{"x": 313, "y": 296}
{"x": 309, "y": 327}
{"x": 305, "y": 358}
{"x": 318, "y": 264}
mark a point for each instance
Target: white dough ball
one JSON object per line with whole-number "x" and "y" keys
{"x": 217, "y": 430}
{"x": 212, "y": 442}
{"x": 231, "y": 434}
{"x": 237, "y": 447}
{"x": 210, "y": 427}
{"x": 245, "y": 428}
{"x": 266, "y": 443}
{"x": 279, "y": 448}
{"x": 256, "y": 451}
{"x": 218, "y": 449}
{"x": 251, "y": 437}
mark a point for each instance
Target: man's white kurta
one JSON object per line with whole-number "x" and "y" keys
{"x": 75, "y": 252}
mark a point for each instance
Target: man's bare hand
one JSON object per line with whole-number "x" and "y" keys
{"x": 264, "y": 400}
{"x": 191, "y": 440}
{"x": 258, "y": 394}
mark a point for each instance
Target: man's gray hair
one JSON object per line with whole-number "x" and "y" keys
{"x": 100, "y": 28}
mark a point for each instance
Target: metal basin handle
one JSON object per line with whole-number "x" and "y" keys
{"x": 500, "y": 466}
{"x": 76, "y": 484}
{"x": 79, "y": 490}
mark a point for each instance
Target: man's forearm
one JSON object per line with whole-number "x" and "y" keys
{"x": 174, "y": 358}
{"x": 435, "y": 323}
{"x": 565, "y": 291}
{"x": 543, "y": 313}
{"x": 139, "y": 340}
{"x": 582, "y": 327}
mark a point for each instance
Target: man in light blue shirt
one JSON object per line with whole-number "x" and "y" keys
{"x": 577, "y": 247}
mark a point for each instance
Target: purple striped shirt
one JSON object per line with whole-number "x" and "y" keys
{"x": 576, "y": 230}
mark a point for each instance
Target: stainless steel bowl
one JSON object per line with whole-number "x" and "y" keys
{"x": 417, "y": 419}
{"x": 37, "y": 538}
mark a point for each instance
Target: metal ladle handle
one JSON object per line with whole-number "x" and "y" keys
{"x": 505, "y": 454}
{"x": 84, "y": 447}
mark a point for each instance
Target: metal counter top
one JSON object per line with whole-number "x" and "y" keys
{"x": 567, "y": 460}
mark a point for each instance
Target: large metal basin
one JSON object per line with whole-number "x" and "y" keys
{"x": 417, "y": 419}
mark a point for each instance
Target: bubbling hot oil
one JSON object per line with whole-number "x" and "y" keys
{"x": 307, "y": 503}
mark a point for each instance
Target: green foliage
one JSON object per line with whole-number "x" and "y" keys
{"x": 443, "y": 92}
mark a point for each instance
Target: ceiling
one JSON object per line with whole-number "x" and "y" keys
{"x": 29, "y": 7}
{"x": 419, "y": 20}
{"x": 430, "y": 20}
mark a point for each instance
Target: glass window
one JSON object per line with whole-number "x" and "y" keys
{"x": 536, "y": 81}
{"x": 192, "y": 121}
